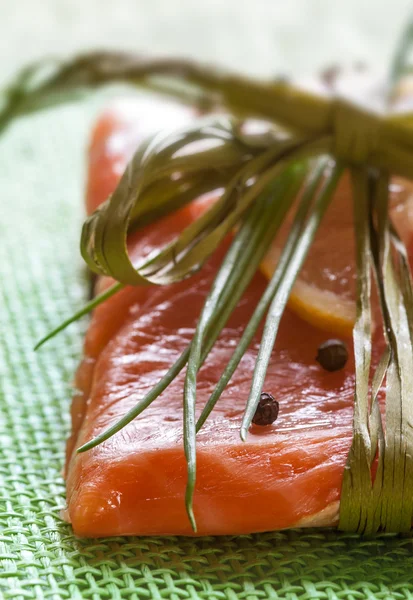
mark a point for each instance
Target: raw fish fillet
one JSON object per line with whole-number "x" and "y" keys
{"x": 287, "y": 474}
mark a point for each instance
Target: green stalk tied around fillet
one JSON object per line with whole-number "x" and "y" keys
{"x": 306, "y": 144}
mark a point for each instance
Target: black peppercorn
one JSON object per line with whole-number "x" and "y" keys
{"x": 332, "y": 355}
{"x": 267, "y": 410}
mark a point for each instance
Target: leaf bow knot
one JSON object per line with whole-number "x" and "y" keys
{"x": 356, "y": 131}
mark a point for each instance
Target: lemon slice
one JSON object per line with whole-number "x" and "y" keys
{"x": 324, "y": 293}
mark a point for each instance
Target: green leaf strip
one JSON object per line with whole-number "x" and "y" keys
{"x": 281, "y": 286}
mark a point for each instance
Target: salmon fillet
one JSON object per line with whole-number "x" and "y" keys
{"x": 284, "y": 475}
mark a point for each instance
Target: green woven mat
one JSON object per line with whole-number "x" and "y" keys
{"x": 41, "y": 278}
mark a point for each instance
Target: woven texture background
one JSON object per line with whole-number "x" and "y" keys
{"x": 41, "y": 282}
